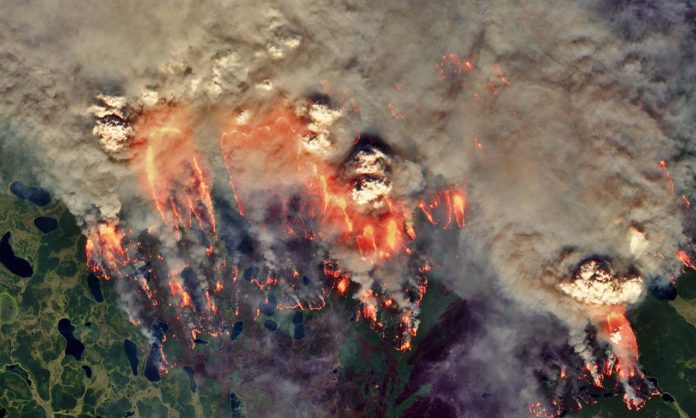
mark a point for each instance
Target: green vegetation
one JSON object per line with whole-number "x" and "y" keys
{"x": 8, "y": 309}
{"x": 37, "y": 379}
{"x": 666, "y": 332}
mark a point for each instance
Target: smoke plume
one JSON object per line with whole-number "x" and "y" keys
{"x": 319, "y": 141}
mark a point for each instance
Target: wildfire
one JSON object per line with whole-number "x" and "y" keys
{"x": 662, "y": 165}
{"x": 248, "y": 142}
{"x": 616, "y": 372}
{"x": 623, "y": 341}
{"x": 177, "y": 290}
{"x": 451, "y": 65}
{"x": 478, "y": 146}
{"x": 342, "y": 285}
{"x": 615, "y": 328}
{"x": 449, "y": 204}
{"x": 285, "y": 156}
{"x": 104, "y": 249}
{"x": 280, "y": 134}
{"x": 539, "y": 411}
{"x": 369, "y": 313}
{"x": 408, "y": 329}
{"x": 277, "y": 152}
{"x": 686, "y": 201}
{"x": 685, "y": 259}
{"x": 171, "y": 171}
{"x": 499, "y": 73}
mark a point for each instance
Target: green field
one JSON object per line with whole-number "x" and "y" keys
{"x": 37, "y": 379}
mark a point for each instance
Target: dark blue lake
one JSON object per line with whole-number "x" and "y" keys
{"x": 16, "y": 265}
{"x": 74, "y": 346}
{"x": 192, "y": 377}
{"x": 94, "y": 285}
{"x": 154, "y": 359}
{"x": 236, "y": 330}
{"x": 299, "y": 332}
{"x": 235, "y": 402}
{"x": 268, "y": 308}
{"x": 132, "y": 353}
{"x": 35, "y": 195}
{"x": 46, "y": 224}
{"x": 270, "y": 325}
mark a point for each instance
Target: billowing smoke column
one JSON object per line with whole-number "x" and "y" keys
{"x": 214, "y": 182}
{"x": 308, "y": 211}
{"x": 605, "y": 294}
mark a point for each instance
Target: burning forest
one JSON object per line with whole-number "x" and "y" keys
{"x": 492, "y": 201}
{"x": 333, "y": 219}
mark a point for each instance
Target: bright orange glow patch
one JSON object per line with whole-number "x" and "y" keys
{"x": 616, "y": 329}
{"x": 477, "y": 144}
{"x": 267, "y": 153}
{"x": 451, "y": 65}
{"x": 366, "y": 240}
{"x": 458, "y": 207}
{"x": 369, "y": 313}
{"x": 283, "y": 181}
{"x": 104, "y": 246}
{"x": 177, "y": 290}
{"x": 171, "y": 171}
{"x": 446, "y": 206}
{"x": 500, "y": 75}
{"x": 685, "y": 259}
{"x": 342, "y": 285}
{"x": 686, "y": 201}
{"x": 393, "y": 235}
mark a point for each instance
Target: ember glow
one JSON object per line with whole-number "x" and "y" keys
{"x": 286, "y": 179}
{"x": 328, "y": 209}
{"x": 613, "y": 368}
{"x": 265, "y": 153}
{"x": 104, "y": 248}
{"x": 451, "y": 205}
{"x": 685, "y": 259}
{"x": 171, "y": 170}
{"x": 407, "y": 209}
{"x": 618, "y": 331}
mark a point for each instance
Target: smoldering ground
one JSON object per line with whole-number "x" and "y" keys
{"x": 556, "y": 126}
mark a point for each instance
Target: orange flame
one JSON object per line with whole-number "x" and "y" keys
{"x": 662, "y": 165}
{"x": 452, "y": 65}
{"x": 342, "y": 285}
{"x": 176, "y": 289}
{"x": 685, "y": 259}
{"x": 106, "y": 243}
{"x": 450, "y": 204}
{"x": 366, "y": 240}
{"x": 686, "y": 201}
{"x": 615, "y": 328}
{"x": 170, "y": 169}
{"x": 268, "y": 153}
{"x": 248, "y": 147}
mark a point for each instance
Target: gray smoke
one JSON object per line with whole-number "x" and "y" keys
{"x": 555, "y": 116}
